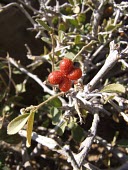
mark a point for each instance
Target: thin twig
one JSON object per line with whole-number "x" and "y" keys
{"x": 33, "y": 76}
{"x": 23, "y": 10}
{"x": 86, "y": 144}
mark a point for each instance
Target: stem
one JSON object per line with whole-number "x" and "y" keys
{"x": 53, "y": 51}
{"x": 83, "y": 48}
{"x": 46, "y": 101}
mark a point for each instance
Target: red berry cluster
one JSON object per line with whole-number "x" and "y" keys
{"x": 64, "y": 76}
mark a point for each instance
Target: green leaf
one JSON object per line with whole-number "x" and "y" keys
{"x": 56, "y": 115}
{"x": 111, "y": 26}
{"x": 55, "y": 102}
{"x": 54, "y": 111}
{"x": 47, "y": 40}
{"x": 73, "y": 22}
{"x": 62, "y": 27}
{"x": 61, "y": 35}
{"x": 101, "y": 38}
{"x": 30, "y": 128}
{"x": 77, "y": 39}
{"x": 70, "y": 55}
{"x": 17, "y": 124}
{"x": 71, "y": 2}
{"x": 81, "y": 18}
{"x": 56, "y": 119}
{"x": 77, "y": 132}
{"x": 114, "y": 88}
{"x": 61, "y": 128}
{"x": 42, "y": 23}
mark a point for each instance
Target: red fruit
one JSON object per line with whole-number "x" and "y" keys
{"x": 66, "y": 65}
{"x": 74, "y": 74}
{"x": 55, "y": 77}
{"x": 65, "y": 85}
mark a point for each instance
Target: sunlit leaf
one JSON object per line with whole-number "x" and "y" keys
{"x": 76, "y": 9}
{"x": 20, "y": 87}
{"x": 70, "y": 55}
{"x": 77, "y": 39}
{"x": 114, "y": 88}
{"x": 30, "y": 128}
{"x": 17, "y": 124}
{"x": 108, "y": 98}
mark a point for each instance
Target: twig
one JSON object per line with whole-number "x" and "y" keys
{"x": 23, "y": 10}
{"x": 97, "y": 13}
{"x": 109, "y": 63}
{"x": 71, "y": 157}
{"x": 54, "y": 146}
{"x": 86, "y": 144}
{"x": 29, "y": 7}
{"x": 83, "y": 48}
{"x": 33, "y": 76}
{"x": 122, "y": 157}
{"x": 125, "y": 117}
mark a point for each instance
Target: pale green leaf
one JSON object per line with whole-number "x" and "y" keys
{"x": 114, "y": 88}
{"x": 77, "y": 39}
{"x": 61, "y": 35}
{"x": 17, "y": 124}
{"x": 108, "y": 98}
{"x": 42, "y": 23}
{"x": 30, "y": 128}
{"x": 20, "y": 88}
{"x": 70, "y": 55}
{"x": 47, "y": 40}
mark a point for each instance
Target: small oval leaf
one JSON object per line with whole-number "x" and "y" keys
{"x": 17, "y": 124}
{"x": 42, "y": 23}
{"x": 30, "y": 128}
{"x": 114, "y": 88}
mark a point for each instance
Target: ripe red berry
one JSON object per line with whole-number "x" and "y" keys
{"x": 55, "y": 77}
{"x": 65, "y": 84}
{"x": 74, "y": 74}
{"x": 66, "y": 65}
